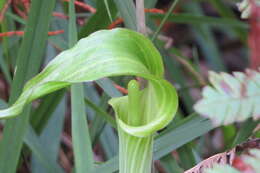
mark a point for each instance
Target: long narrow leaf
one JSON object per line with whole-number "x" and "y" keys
{"x": 28, "y": 63}
{"x": 80, "y": 134}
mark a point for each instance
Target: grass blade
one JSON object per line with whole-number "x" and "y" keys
{"x": 30, "y": 55}
{"x": 80, "y": 134}
{"x": 164, "y": 19}
{"x": 187, "y": 18}
{"x": 102, "y": 113}
{"x": 41, "y": 152}
{"x": 170, "y": 164}
{"x": 50, "y": 138}
{"x": 127, "y": 11}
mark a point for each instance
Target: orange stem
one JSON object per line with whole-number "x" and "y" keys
{"x": 121, "y": 89}
{"x": 60, "y": 15}
{"x": 115, "y": 23}
{"x": 20, "y": 33}
{"x": 83, "y": 5}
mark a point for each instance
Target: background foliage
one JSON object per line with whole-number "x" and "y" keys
{"x": 193, "y": 38}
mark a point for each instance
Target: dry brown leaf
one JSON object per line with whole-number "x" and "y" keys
{"x": 221, "y": 158}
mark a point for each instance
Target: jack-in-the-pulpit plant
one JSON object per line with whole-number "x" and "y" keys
{"x": 112, "y": 53}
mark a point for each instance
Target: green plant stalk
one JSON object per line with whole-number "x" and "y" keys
{"x": 83, "y": 156}
{"x": 135, "y": 153}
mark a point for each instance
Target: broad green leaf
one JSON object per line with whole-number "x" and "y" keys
{"x": 231, "y": 98}
{"x": 109, "y": 53}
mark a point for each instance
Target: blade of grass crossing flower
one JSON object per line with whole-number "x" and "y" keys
{"x": 83, "y": 155}
{"x": 108, "y": 87}
{"x": 102, "y": 115}
{"x": 28, "y": 63}
{"x": 108, "y": 139}
{"x": 80, "y": 133}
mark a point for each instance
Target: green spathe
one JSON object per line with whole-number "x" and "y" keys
{"x": 113, "y": 53}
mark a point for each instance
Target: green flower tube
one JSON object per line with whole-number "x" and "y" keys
{"x": 113, "y": 53}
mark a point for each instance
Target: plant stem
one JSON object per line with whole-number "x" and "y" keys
{"x": 135, "y": 153}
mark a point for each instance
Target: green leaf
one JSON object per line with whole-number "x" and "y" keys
{"x": 187, "y": 18}
{"x": 170, "y": 165}
{"x": 28, "y": 63}
{"x": 127, "y": 12}
{"x": 231, "y": 98}
{"x": 245, "y": 131}
{"x": 112, "y": 53}
{"x": 83, "y": 155}
{"x": 43, "y": 113}
{"x": 120, "y": 52}
{"x": 41, "y": 152}
{"x": 50, "y": 138}
{"x": 101, "y": 112}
